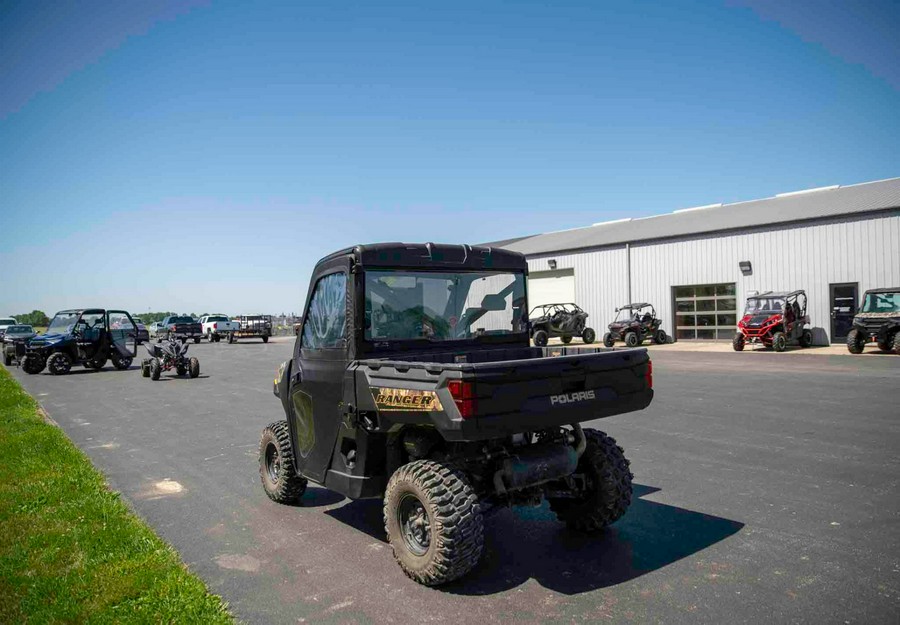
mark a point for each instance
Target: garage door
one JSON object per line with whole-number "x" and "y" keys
{"x": 705, "y": 311}
{"x": 551, "y": 287}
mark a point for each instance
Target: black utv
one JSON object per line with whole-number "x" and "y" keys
{"x": 413, "y": 380}
{"x": 562, "y": 320}
{"x": 878, "y": 320}
{"x": 88, "y": 337}
{"x": 634, "y": 324}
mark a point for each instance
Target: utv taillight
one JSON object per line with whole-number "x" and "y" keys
{"x": 463, "y": 394}
{"x": 649, "y": 374}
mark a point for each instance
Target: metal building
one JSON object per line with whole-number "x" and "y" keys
{"x": 697, "y": 265}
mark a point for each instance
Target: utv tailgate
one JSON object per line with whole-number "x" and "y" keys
{"x": 533, "y": 391}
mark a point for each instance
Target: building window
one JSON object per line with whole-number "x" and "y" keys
{"x": 705, "y": 311}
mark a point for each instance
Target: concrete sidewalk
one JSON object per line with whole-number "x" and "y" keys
{"x": 838, "y": 349}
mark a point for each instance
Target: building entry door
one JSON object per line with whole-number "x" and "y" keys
{"x": 844, "y": 300}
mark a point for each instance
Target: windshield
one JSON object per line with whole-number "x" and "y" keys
{"x": 62, "y": 322}
{"x": 757, "y": 305}
{"x": 627, "y": 314}
{"x": 19, "y": 330}
{"x": 181, "y": 320}
{"x": 403, "y": 305}
{"x": 881, "y": 303}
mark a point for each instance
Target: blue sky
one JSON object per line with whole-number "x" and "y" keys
{"x": 201, "y": 156}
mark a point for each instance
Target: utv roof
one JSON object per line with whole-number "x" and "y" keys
{"x": 896, "y": 289}
{"x": 778, "y": 293}
{"x": 635, "y": 305}
{"x": 428, "y": 255}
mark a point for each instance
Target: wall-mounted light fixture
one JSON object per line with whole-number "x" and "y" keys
{"x": 552, "y": 263}
{"x": 746, "y": 267}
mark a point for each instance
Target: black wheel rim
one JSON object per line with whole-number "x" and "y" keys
{"x": 414, "y": 524}
{"x": 273, "y": 462}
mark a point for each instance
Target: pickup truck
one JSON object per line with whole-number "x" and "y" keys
{"x": 179, "y": 327}
{"x": 216, "y": 326}
{"x": 252, "y": 326}
{"x": 413, "y": 380}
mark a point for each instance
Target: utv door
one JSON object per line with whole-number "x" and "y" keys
{"x": 122, "y": 334}
{"x": 320, "y": 361}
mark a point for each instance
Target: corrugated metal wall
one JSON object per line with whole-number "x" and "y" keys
{"x": 808, "y": 257}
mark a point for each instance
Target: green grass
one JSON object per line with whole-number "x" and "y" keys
{"x": 70, "y": 550}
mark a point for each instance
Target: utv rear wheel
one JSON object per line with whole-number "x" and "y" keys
{"x": 779, "y": 342}
{"x": 608, "y": 339}
{"x": 855, "y": 341}
{"x": 588, "y": 336}
{"x": 265, "y": 339}
{"x": 59, "y": 363}
{"x": 737, "y": 343}
{"x": 886, "y": 345}
{"x": 433, "y": 522}
{"x": 540, "y": 338}
{"x": 193, "y": 367}
{"x": 121, "y": 362}
{"x": 96, "y": 364}
{"x": 566, "y": 339}
{"x": 180, "y": 369}
{"x": 145, "y": 368}
{"x": 806, "y": 339}
{"x": 631, "y": 339}
{"x": 897, "y": 343}
{"x": 607, "y": 493}
{"x": 7, "y": 358}
{"x": 33, "y": 364}
{"x": 231, "y": 338}
{"x": 276, "y": 465}
{"x": 659, "y": 337}
{"x": 155, "y": 369}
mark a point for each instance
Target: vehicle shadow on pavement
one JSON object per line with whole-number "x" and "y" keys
{"x": 529, "y": 543}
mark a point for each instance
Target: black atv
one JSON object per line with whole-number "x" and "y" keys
{"x": 88, "y": 337}
{"x": 878, "y": 320}
{"x": 166, "y": 355}
{"x": 413, "y": 380}
{"x": 634, "y": 324}
{"x": 562, "y": 320}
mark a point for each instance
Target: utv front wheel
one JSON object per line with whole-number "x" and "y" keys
{"x": 588, "y": 336}
{"x": 121, "y": 363}
{"x": 540, "y": 338}
{"x": 896, "y": 343}
{"x": 276, "y": 465}
{"x": 631, "y": 339}
{"x": 566, "y": 339}
{"x": 607, "y": 493}
{"x": 33, "y": 364}
{"x": 737, "y": 343}
{"x": 779, "y": 342}
{"x": 193, "y": 367}
{"x": 433, "y": 522}
{"x": 855, "y": 341}
{"x": 265, "y": 339}
{"x": 59, "y": 363}
{"x": 659, "y": 337}
{"x": 608, "y": 339}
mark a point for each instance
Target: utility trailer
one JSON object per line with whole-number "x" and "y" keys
{"x": 252, "y": 326}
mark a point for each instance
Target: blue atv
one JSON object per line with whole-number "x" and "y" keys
{"x": 90, "y": 337}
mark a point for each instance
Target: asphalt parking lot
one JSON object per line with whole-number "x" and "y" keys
{"x": 768, "y": 490}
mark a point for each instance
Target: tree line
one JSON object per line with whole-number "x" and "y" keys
{"x": 40, "y": 318}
